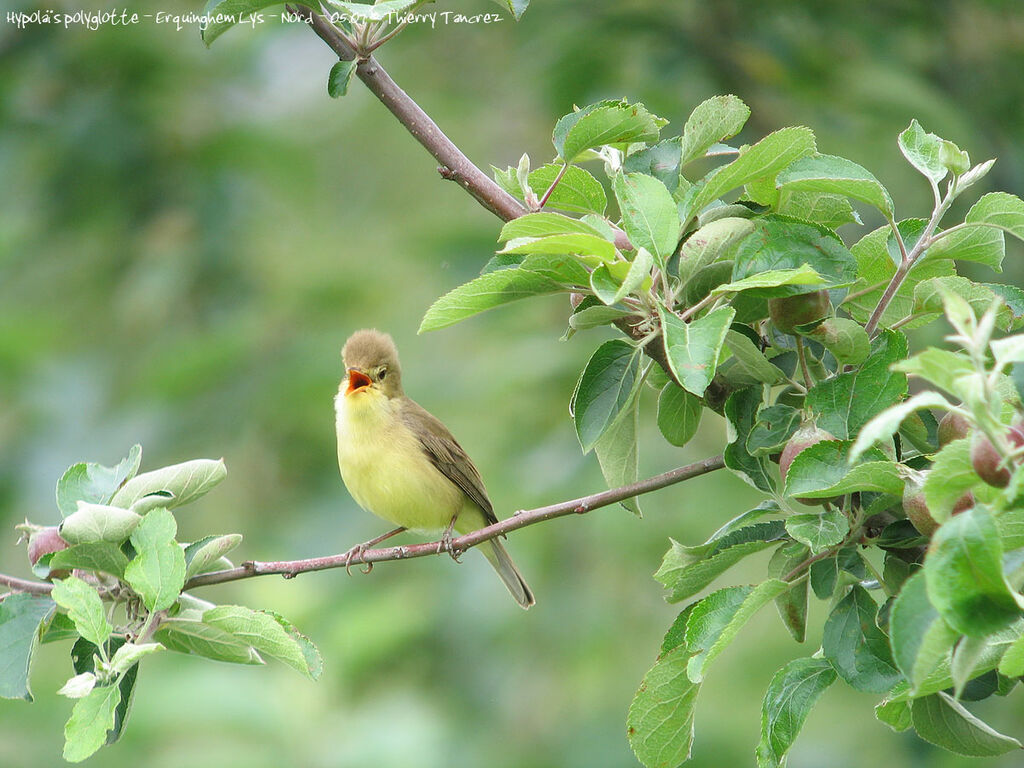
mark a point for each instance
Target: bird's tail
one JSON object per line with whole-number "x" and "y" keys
{"x": 498, "y": 557}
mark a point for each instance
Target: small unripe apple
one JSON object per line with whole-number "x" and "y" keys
{"x": 964, "y": 503}
{"x": 807, "y": 435}
{"x": 952, "y": 427}
{"x": 917, "y": 510}
{"x": 987, "y": 462}
{"x": 43, "y": 542}
{"x": 787, "y": 312}
{"x": 1015, "y": 434}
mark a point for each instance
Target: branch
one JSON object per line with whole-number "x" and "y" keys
{"x": 454, "y": 164}
{"x": 24, "y": 585}
{"x": 582, "y": 505}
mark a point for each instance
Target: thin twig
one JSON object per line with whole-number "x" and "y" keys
{"x": 802, "y": 356}
{"x": 456, "y": 165}
{"x": 25, "y": 585}
{"x": 289, "y": 568}
{"x": 554, "y": 183}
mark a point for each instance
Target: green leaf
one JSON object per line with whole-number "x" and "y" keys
{"x": 486, "y": 292}
{"x": 764, "y": 159}
{"x": 921, "y": 639}
{"x": 950, "y": 477}
{"x": 802, "y": 275}
{"x": 660, "y": 160}
{"x": 937, "y": 366}
{"x": 157, "y": 572}
{"x": 693, "y": 348}
{"x": 818, "y": 530}
{"x": 339, "y": 76}
{"x": 835, "y": 175}
{"x": 717, "y": 619}
{"x": 792, "y": 603}
{"x": 186, "y": 481}
{"x": 741, "y": 411}
{"x": 91, "y": 718}
{"x": 595, "y": 316}
{"x": 895, "y": 714}
{"x": 604, "y": 390}
{"x": 1012, "y": 662}
{"x": 821, "y": 472}
{"x": 129, "y": 654}
{"x": 569, "y": 271}
{"x": 660, "y": 719}
{"x": 21, "y": 616}
{"x": 649, "y": 213}
{"x": 717, "y": 119}
{"x": 98, "y": 556}
{"x": 923, "y": 151}
{"x": 85, "y": 608}
{"x": 824, "y": 576}
{"x": 610, "y": 290}
{"x": 191, "y": 635}
{"x": 685, "y": 571}
{"x": 83, "y": 659}
{"x": 201, "y": 555}
{"x": 964, "y": 574}
{"x": 780, "y": 243}
{"x": 981, "y": 244}
{"x": 572, "y": 243}
{"x": 607, "y": 122}
{"x": 856, "y": 647}
{"x": 577, "y": 191}
{"x": 97, "y": 523}
{"x": 261, "y": 631}
{"x": 824, "y": 208}
{"x": 882, "y": 427}
{"x": 617, "y": 452}
{"x": 95, "y": 483}
{"x": 929, "y": 296}
{"x": 713, "y": 242}
{"x": 1000, "y": 210}
{"x": 773, "y": 428}
{"x": 679, "y": 414}
{"x": 846, "y": 339}
{"x": 941, "y": 720}
{"x": 752, "y": 359}
{"x": 544, "y": 224}
{"x": 314, "y": 661}
{"x": 791, "y": 694}
{"x": 846, "y": 402}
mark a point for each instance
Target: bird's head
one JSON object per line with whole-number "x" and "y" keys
{"x": 371, "y": 363}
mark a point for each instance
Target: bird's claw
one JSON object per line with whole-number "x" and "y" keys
{"x": 446, "y": 545}
{"x": 357, "y": 551}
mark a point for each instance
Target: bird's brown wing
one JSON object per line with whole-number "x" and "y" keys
{"x": 446, "y": 454}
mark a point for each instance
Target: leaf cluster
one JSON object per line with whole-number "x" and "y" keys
{"x": 118, "y": 574}
{"x": 730, "y": 289}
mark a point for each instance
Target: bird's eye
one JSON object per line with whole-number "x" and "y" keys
{"x": 383, "y": 372}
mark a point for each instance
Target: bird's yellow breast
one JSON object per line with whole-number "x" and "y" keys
{"x": 384, "y": 466}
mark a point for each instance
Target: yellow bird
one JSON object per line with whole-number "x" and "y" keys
{"x": 402, "y": 464}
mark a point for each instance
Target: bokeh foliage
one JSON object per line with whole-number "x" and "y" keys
{"x": 187, "y": 236}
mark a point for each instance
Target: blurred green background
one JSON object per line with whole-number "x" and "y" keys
{"x": 187, "y": 236}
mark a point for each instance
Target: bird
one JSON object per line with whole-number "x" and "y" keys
{"x": 401, "y": 463}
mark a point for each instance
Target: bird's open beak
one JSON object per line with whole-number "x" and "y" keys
{"x": 357, "y": 380}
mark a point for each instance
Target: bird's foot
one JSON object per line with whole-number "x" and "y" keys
{"x": 356, "y": 552}
{"x": 445, "y": 544}
{"x": 360, "y": 549}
